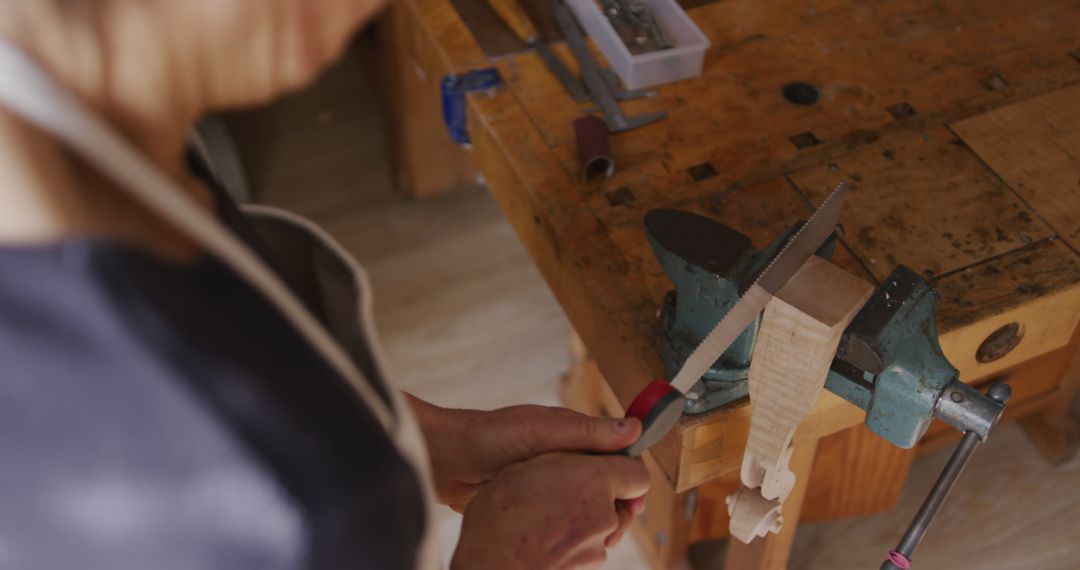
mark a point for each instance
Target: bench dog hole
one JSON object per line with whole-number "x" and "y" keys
{"x": 801, "y": 93}
{"x": 994, "y": 82}
{"x": 901, "y": 110}
{"x": 700, "y": 172}
{"x": 805, "y": 140}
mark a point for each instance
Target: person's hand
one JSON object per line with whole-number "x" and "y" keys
{"x": 468, "y": 448}
{"x": 556, "y": 511}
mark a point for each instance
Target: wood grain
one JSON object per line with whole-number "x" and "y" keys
{"x": 864, "y": 60}
{"x": 1037, "y": 287}
{"x": 795, "y": 347}
{"x": 924, "y": 200}
{"x": 1034, "y": 145}
{"x": 773, "y": 551}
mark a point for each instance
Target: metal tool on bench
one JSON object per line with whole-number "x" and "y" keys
{"x": 636, "y": 26}
{"x": 654, "y": 404}
{"x": 889, "y": 362}
{"x": 515, "y": 18}
{"x": 602, "y": 87}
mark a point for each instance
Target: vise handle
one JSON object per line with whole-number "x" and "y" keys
{"x": 900, "y": 558}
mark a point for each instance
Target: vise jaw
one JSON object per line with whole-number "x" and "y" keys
{"x": 889, "y": 362}
{"x": 710, "y": 265}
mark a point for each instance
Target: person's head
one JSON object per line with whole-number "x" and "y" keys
{"x": 148, "y": 61}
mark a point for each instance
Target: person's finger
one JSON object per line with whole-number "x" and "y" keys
{"x": 626, "y": 516}
{"x": 558, "y": 429}
{"x": 627, "y": 478}
{"x": 637, "y": 506}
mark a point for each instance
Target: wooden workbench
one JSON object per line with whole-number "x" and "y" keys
{"x": 956, "y": 125}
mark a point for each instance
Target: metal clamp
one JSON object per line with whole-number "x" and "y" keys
{"x": 454, "y": 87}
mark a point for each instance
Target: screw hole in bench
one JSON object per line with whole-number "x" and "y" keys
{"x": 804, "y": 140}
{"x": 995, "y": 82}
{"x": 901, "y": 110}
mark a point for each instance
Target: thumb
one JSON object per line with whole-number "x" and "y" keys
{"x": 566, "y": 430}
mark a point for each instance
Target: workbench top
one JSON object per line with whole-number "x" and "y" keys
{"x": 956, "y": 125}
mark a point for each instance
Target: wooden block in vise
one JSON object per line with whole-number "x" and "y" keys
{"x": 799, "y": 334}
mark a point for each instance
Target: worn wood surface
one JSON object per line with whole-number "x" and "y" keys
{"x": 1035, "y": 146}
{"x": 891, "y": 78}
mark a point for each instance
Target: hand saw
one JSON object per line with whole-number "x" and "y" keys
{"x": 659, "y": 405}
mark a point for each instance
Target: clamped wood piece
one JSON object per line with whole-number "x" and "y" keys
{"x": 800, "y": 331}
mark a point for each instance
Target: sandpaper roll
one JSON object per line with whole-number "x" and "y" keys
{"x": 594, "y": 150}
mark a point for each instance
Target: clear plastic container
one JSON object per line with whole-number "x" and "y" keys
{"x": 682, "y": 61}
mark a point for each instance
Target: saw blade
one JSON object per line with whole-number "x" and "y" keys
{"x": 777, "y": 273}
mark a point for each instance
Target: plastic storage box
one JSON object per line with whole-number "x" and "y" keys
{"x": 682, "y": 61}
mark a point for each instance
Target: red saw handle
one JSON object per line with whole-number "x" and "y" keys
{"x": 647, "y": 399}
{"x": 658, "y": 407}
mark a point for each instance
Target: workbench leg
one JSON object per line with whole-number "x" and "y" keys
{"x": 771, "y": 552}
{"x": 1056, "y": 430}
{"x": 856, "y": 473}
{"x": 1057, "y": 436}
{"x": 426, "y": 161}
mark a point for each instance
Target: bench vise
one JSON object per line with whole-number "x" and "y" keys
{"x": 889, "y": 362}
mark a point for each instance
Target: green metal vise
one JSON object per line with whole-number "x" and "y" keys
{"x": 889, "y": 362}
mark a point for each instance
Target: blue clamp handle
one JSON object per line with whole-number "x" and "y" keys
{"x": 454, "y": 87}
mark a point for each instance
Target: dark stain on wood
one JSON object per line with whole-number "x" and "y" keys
{"x": 995, "y": 82}
{"x": 805, "y": 140}
{"x": 1001, "y": 283}
{"x": 702, "y": 171}
{"x": 901, "y": 110}
{"x": 620, "y": 196}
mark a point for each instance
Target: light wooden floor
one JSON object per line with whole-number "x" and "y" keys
{"x": 468, "y": 321}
